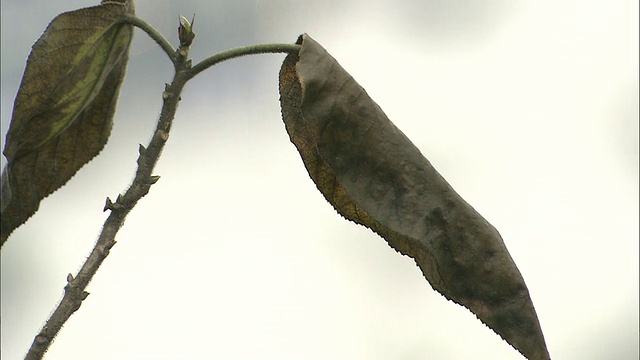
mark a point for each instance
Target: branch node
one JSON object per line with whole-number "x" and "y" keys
{"x": 41, "y": 339}
{"x": 104, "y": 249}
{"x": 163, "y": 135}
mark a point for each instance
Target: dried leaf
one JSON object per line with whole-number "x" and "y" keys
{"x": 63, "y": 113}
{"x": 373, "y": 175}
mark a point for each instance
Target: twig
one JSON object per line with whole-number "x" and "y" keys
{"x": 75, "y": 290}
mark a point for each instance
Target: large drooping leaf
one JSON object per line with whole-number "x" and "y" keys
{"x": 373, "y": 175}
{"x": 63, "y": 113}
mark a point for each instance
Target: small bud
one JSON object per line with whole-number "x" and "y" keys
{"x": 185, "y": 31}
{"x": 84, "y": 295}
{"x": 141, "y": 149}
{"x": 69, "y": 278}
{"x": 154, "y": 179}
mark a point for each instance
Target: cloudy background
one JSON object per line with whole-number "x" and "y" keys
{"x": 528, "y": 108}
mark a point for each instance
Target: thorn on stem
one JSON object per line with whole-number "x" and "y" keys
{"x": 110, "y": 205}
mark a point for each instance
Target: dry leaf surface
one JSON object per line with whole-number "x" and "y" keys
{"x": 373, "y": 175}
{"x": 63, "y": 112}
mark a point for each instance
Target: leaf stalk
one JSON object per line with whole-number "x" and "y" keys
{"x": 242, "y": 51}
{"x": 153, "y": 34}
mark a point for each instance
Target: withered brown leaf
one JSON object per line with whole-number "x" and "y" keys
{"x": 373, "y": 175}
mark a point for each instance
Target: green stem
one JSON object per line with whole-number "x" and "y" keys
{"x": 241, "y": 51}
{"x": 153, "y": 34}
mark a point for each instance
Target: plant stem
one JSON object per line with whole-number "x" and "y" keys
{"x": 242, "y": 51}
{"x": 74, "y": 291}
{"x": 153, "y": 34}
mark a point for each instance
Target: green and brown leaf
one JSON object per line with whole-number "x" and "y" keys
{"x": 373, "y": 175}
{"x": 63, "y": 113}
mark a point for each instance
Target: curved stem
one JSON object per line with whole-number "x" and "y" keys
{"x": 241, "y": 51}
{"x": 153, "y": 34}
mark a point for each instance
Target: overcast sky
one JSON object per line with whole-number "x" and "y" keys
{"x": 528, "y": 108}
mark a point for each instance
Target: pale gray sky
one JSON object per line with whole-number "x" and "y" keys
{"x": 528, "y": 108}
